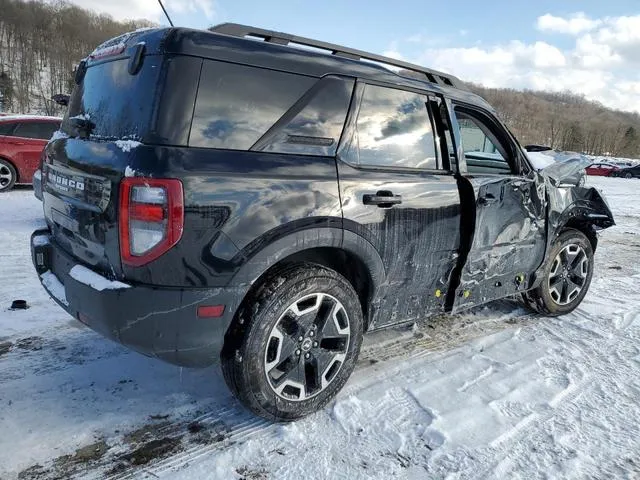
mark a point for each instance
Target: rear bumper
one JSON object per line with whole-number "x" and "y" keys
{"x": 157, "y": 322}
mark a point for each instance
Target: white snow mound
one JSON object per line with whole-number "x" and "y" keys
{"x": 539, "y": 160}
{"x": 95, "y": 281}
{"x": 51, "y": 282}
{"x": 127, "y": 145}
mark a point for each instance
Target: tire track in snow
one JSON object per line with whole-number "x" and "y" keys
{"x": 403, "y": 344}
{"x": 587, "y": 344}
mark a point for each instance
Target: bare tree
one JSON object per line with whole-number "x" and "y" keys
{"x": 40, "y": 43}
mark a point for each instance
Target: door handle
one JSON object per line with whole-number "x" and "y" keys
{"x": 382, "y": 199}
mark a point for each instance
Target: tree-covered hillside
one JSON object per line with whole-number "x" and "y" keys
{"x": 40, "y": 43}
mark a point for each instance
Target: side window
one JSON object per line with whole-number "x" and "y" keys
{"x": 314, "y": 125}
{"x": 482, "y": 150}
{"x": 237, "y": 104}
{"x": 6, "y": 128}
{"x": 39, "y": 130}
{"x": 394, "y": 129}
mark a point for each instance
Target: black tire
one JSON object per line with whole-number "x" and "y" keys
{"x": 628, "y": 175}
{"x": 249, "y": 341}
{"x": 541, "y": 299}
{"x": 8, "y": 175}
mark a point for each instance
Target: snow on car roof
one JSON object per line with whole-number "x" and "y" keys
{"x": 8, "y": 118}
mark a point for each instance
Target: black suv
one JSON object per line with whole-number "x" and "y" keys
{"x": 214, "y": 196}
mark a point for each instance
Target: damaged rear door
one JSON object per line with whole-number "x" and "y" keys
{"x": 504, "y": 225}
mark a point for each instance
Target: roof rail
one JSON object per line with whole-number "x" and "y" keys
{"x": 279, "y": 38}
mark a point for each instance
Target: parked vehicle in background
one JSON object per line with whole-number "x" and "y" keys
{"x": 602, "y": 169}
{"x": 217, "y": 198}
{"x": 22, "y": 138}
{"x": 628, "y": 172}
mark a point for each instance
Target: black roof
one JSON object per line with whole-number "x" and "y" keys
{"x": 271, "y": 55}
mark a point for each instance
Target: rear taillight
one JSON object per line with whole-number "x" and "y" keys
{"x": 151, "y": 218}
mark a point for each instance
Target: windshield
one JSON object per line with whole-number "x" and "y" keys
{"x": 119, "y": 104}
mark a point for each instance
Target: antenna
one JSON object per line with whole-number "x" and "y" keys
{"x": 165, "y": 12}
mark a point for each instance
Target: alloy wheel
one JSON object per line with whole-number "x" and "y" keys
{"x": 568, "y": 274}
{"x": 307, "y": 347}
{"x": 6, "y": 176}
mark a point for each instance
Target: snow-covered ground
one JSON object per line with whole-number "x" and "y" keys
{"x": 495, "y": 393}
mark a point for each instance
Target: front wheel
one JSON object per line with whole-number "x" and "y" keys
{"x": 294, "y": 343}
{"x": 628, "y": 175}
{"x": 567, "y": 276}
{"x": 8, "y": 176}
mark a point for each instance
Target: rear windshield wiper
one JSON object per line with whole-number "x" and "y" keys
{"x": 83, "y": 125}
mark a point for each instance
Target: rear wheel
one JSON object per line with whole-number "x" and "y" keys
{"x": 8, "y": 176}
{"x": 295, "y": 342}
{"x": 628, "y": 175}
{"x": 567, "y": 275}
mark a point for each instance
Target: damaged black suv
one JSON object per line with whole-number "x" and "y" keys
{"x": 264, "y": 200}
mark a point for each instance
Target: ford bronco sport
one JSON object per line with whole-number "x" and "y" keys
{"x": 264, "y": 200}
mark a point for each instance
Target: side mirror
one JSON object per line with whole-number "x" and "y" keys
{"x": 61, "y": 99}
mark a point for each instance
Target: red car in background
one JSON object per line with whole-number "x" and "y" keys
{"x": 601, "y": 169}
{"x": 22, "y": 139}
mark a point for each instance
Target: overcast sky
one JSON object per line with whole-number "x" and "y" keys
{"x": 589, "y": 46}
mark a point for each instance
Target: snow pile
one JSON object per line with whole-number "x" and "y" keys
{"x": 40, "y": 240}
{"x": 127, "y": 145}
{"x": 82, "y": 116}
{"x": 540, "y": 160}
{"x": 58, "y": 135}
{"x": 129, "y": 172}
{"x": 97, "y": 282}
{"x": 51, "y": 282}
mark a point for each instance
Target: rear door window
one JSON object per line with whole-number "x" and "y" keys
{"x": 6, "y": 128}
{"x": 394, "y": 129}
{"x": 236, "y": 105}
{"x": 38, "y": 130}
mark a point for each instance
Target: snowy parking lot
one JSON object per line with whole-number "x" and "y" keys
{"x": 494, "y": 393}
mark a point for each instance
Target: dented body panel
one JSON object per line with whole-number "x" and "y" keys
{"x": 509, "y": 238}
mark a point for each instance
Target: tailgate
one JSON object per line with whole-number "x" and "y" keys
{"x": 110, "y": 112}
{"x": 80, "y": 201}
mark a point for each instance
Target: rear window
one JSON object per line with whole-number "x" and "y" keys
{"x": 39, "y": 130}
{"x": 236, "y": 105}
{"x": 119, "y": 104}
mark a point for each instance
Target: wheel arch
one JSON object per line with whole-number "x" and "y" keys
{"x": 343, "y": 251}
{"x": 583, "y": 226}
